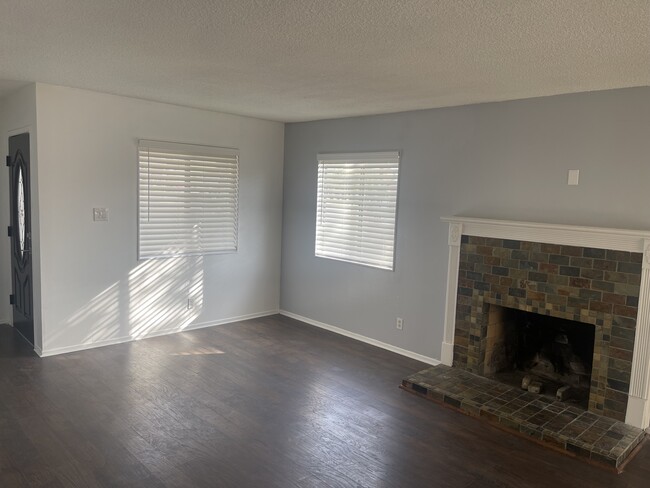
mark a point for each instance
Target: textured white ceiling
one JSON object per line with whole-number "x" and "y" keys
{"x": 295, "y": 60}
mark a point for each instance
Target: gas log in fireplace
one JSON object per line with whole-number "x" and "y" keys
{"x": 563, "y": 305}
{"x": 540, "y": 351}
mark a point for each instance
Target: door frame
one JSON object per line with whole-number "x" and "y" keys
{"x": 36, "y": 255}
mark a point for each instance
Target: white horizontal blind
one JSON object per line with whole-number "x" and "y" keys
{"x": 187, "y": 199}
{"x": 357, "y": 205}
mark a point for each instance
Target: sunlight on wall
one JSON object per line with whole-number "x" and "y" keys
{"x": 158, "y": 296}
{"x": 103, "y": 312}
{"x": 159, "y": 291}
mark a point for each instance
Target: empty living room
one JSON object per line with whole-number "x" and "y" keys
{"x": 301, "y": 243}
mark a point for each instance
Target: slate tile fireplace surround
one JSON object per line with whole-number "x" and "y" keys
{"x": 593, "y": 276}
{"x": 583, "y": 284}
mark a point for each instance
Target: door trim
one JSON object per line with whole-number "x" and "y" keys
{"x": 35, "y": 232}
{"x": 9, "y": 318}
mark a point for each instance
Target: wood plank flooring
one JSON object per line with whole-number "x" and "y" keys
{"x": 264, "y": 403}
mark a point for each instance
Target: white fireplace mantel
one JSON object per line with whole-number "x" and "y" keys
{"x": 638, "y": 408}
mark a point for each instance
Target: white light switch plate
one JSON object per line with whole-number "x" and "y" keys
{"x": 100, "y": 214}
{"x": 574, "y": 175}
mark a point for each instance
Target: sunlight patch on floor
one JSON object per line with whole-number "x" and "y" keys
{"x": 201, "y": 351}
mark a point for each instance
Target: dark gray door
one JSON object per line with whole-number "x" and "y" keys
{"x": 21, "y": 236}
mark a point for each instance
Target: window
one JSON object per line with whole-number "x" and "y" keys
{"x": 187, "y": 199}
{"x": 357, "y": 204}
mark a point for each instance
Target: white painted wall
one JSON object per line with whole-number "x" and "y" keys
{"x": 94, "y": 291}
{"x": 18, "y": 115}
{"x": 504, "y": 160}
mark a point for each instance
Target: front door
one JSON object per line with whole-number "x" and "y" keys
{"x": 20, "y": 232}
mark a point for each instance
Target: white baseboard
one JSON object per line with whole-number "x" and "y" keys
{"x": 119, "y": 340}
{"x": 362, "y": 338}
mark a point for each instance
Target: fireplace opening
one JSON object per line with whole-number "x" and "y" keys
{"x": 553, "y": 355}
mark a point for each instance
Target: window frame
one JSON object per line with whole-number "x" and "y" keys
{"x": 197, "y": 150}
{"x": 359, "y": 157}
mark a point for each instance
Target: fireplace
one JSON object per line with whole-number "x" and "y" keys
{"x": 528, "y": 349}
{"x": 579, "y": 292}
{"x": 592, "y": 286}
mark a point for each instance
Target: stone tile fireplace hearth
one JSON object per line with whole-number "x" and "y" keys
{"x": 557, "y": 425}
{"x": 567, "y": 306}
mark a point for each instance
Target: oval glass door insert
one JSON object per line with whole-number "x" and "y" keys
{"x": 20, "y": 207}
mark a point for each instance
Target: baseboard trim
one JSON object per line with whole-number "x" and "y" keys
{"x": 362, "y": 338}
{"x": 120, "y": 340}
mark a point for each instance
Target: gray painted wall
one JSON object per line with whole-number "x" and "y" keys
{"x": 505, "y": 160}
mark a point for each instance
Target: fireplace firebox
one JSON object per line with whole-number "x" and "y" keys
{"x": 524, "y": 347}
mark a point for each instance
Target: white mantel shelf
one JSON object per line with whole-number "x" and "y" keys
{"x": 568, "y": 235}
{"x": 638, "y": 411}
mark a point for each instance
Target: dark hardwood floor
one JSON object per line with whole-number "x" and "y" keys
{"x": 263, "y": 403}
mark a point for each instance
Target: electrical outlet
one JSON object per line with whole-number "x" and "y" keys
{"x": 190, "y": 303}
{"x": 100, "y": 214}
{"x": 400, "y": 323}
